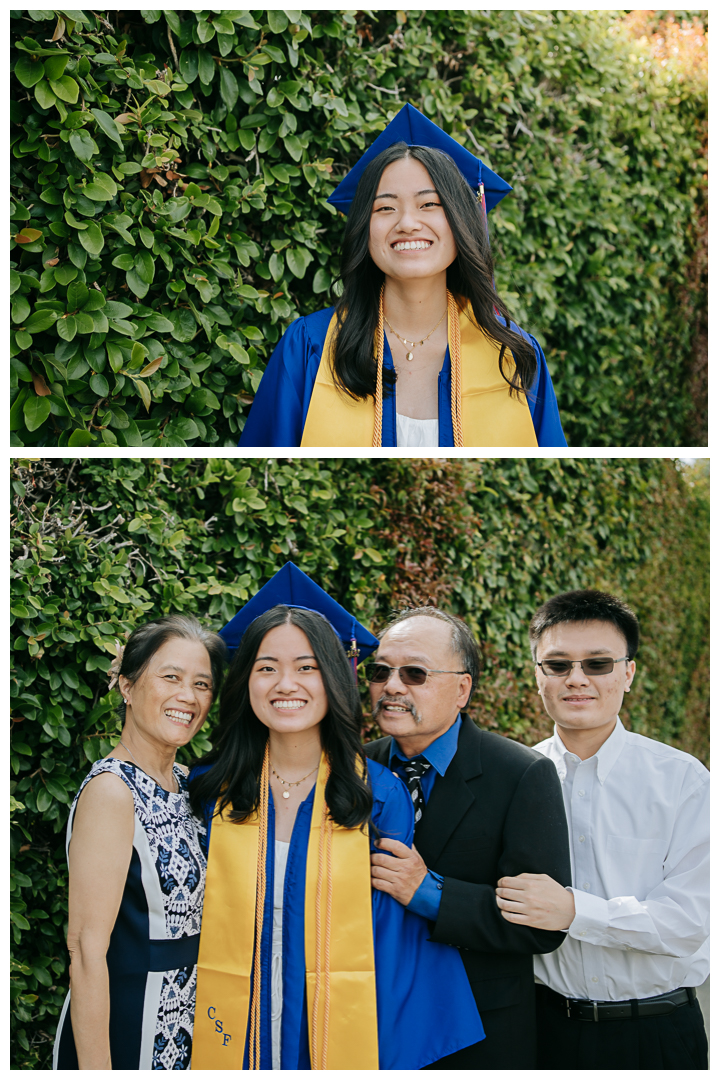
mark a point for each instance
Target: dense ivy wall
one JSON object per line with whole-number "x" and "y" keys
{"x": 169, "y": 177}
{"x": 98, "y": 546}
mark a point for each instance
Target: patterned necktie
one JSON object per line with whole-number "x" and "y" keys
{"x": 415, "y": 769}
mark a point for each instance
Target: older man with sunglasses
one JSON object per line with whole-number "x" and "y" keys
{"x": 484, "y": 807}
{"x": 620, "y": 992}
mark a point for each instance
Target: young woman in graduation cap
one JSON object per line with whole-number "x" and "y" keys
{"x": 302, "y": 965}
{"x": 419, "y": 349}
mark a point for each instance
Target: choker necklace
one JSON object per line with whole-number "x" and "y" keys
{"x": 412, "y": 344}
{"x": 288, "y": 783}
{"x": 121, "y": 743}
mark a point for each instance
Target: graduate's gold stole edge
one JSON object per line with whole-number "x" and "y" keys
{"x": 490, "y": 416}
{"x": 224, "y": 984}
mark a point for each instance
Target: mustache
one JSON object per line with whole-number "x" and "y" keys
{"x": 396, "y": 700}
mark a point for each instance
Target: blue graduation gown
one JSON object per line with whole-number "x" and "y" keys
{"x": 278, "y": 413}
{"x": 425, "y": 1006}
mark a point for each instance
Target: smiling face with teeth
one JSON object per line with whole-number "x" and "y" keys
{"x": 409, "y": 233}
{"x": 169, "y": 702}
{"x": 286, "y": 688}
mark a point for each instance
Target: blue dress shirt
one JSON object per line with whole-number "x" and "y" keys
{"x": 439, "y": 754}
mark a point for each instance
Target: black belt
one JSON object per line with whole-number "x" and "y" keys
{"x": 580, "y": 1009}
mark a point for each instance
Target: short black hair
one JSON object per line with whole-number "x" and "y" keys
{"x": 584, "y": 605}
{"x": 463, "y": 642}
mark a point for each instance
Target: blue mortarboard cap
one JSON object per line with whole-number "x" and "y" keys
{"x": 295, "y": 589}
{"x": 411, "y": 127}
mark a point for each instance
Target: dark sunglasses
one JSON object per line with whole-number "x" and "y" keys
{"x": 593, "y": 666}
{"x": 411, "y": 676}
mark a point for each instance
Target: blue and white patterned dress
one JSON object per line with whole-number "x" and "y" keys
{"x": 152, "y": 956}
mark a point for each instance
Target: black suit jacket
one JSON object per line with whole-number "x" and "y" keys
{"x": 497, "y": 811}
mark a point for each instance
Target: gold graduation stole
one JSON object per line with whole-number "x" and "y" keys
{"x": 489, "y": 415}
{"x": 339, "y": 950}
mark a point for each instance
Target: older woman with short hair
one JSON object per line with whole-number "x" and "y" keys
{"x": 137, "y": 868}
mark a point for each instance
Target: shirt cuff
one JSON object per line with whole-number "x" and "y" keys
{"x": 591, "y": 915}
{"x": 426, "y": 901}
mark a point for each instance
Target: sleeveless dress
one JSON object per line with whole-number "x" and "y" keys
{"x": 152, "y": 955}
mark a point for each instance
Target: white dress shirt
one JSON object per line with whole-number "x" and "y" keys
{"x": 639, "y": 820}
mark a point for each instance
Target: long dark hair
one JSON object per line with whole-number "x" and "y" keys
{"x": 470, "y": 275}
{"x": 147, "y": 638}
{"x": 237, "y": 755}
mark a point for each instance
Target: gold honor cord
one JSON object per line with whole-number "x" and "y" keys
{"x": 339, "y": 949}
{"x": 482, "y": 410}
{"x": 256, "y": 1002}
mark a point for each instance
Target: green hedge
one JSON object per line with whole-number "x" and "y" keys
{"x": 169, "y": 177}
{"x": 99, "y": 545}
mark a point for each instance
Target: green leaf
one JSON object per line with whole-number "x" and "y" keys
{"x": 321, "y": 281}
{"x": 157, "y": 86}
{"x": 65, "y": 274}
{"x": 77, "y": 254}
{"x": 206, "y": 67}
{"x": 44, "y": 95}
{"x": 147, "y": 237}
{"x": 20, "y": 309}
{"x": 65, "y": 88}
{"x": 92, "y": 239}
{"x": 145, "y": 266}
{"x": 55, "y": 66}
{"x": 205, "y": 31}
{"x": 293, "y": 147}
{"x": 67, "y": 328}
{"x": 80, "y": 437}
{"x": 84, "y": 322}
{"x": 102, "y": 188}
{"x": 185, "y": 428}
{"x": 83, "y": 145}
{"x": 138, "y": 354}
{"x": 36, "y": 411}
{"x": 95, "y": 301}
{"x": 144, "y": 393}
{"x": 136, "y": 284}
{"x": 15, "y": 281}
{"x": 298, "y": 259}
{"x": 189, "y": 65}
{"x": 184, "y": 325}
{"x": 228, "y": 87}
{"x": 40, "y": 320}
{"x": 277, "y": 21}
{"x": 114, "y": 309}
{"x": 28, "y": 71}
{"x": 77, "y": 294}
{"x": 108, "y": 125}
{"x": 99, "y": 385}
{"x": 43, "y": 800}
{"x": 160, "y": 324}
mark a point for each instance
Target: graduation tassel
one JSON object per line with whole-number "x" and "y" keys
{"x": 353, "y": 652}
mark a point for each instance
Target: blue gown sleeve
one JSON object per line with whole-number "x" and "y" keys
{"x": 277, "y": 415}
{"x": 543, "y": 403}
{"x": 426, "y": 1008}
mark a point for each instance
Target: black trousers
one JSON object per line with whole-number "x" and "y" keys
{"x": 675, "y": 1040}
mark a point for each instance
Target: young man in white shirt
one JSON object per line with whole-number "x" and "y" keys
{"x": 619, "y": 993}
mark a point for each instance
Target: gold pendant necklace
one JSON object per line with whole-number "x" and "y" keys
{"x": 294, "y": 783}
{"x": 413, "y": 344}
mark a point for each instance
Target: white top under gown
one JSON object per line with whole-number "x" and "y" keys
{"x": 411, "y": 432}
{"x": 276, "y": 993}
